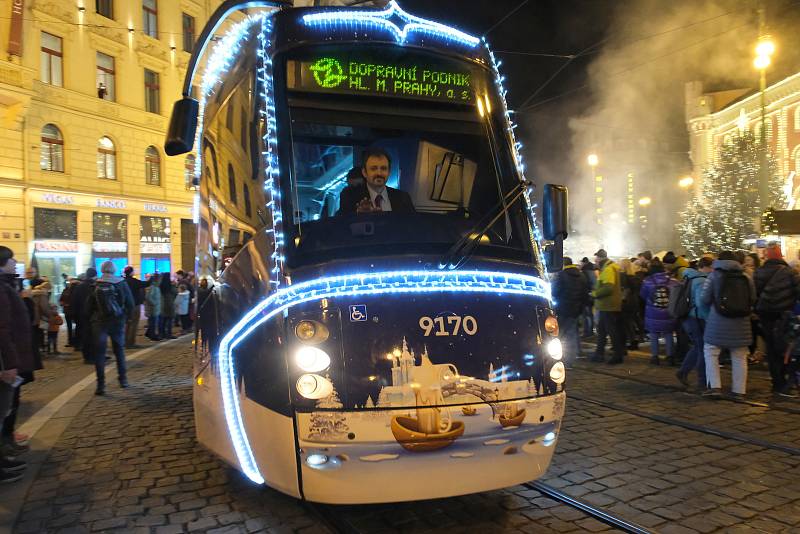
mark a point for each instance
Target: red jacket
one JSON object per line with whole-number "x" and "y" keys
{"x": 16, "y": 347}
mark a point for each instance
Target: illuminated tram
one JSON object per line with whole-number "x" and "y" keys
{"x": 351, "y": 350}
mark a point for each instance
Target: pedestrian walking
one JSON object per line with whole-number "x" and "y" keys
{"x": 53, "y": 326}
{"x": 83, "y": 331}
{"x": 182, "y": 300}
{"x": 109, "y": 304}
{"x": 730, "y": 294}
{"x": 65, "y": 300}
{"x": 777, "y": 290}
{"x": 152, "y": 307}
{"x": 631, "y": 287}
{"x": 16, "y": 360}
{"x": 570, "y": 293}
{"x": 167, "y": 307}
{"x": 608, "y": 301}
{"x": 657, "y": 320}
{"x": 136, "y": 288}
{"x": 694, "y": 324}
{"x": 587, "y": 319}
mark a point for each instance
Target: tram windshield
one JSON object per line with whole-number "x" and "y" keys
{"x": 444, "y": 166}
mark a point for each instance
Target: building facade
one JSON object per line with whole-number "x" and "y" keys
{"x": 86, "y": 89}
{"x": 713, "y": 118}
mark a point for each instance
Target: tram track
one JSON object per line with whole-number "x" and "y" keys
{"x": 680, "y": 389}
{"x": 334, "y": 518}
{"x": 597, "y": 513}
{"x": 689, "y": 426}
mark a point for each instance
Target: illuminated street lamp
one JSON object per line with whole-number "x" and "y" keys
{"x": 593, "y": 160}
{"x": 686, "y": 182}
{"x": 765, "y": 47}
{"x": 645, "y": 201}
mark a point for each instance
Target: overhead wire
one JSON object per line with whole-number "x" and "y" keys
{"x": 502, "y": 20}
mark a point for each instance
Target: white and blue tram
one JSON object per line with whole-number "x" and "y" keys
{"x": 352, "y": 355}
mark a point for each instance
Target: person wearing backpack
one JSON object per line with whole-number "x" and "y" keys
{"x": 657, "y": 320}
{"x": 694, "y": 323}
{"x": 777, "y": 289}
{"x": 730, "y": 295}
{"x": 109, "y": 304}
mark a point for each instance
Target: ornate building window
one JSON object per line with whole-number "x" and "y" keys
{"x": 52, "y": 60}
{"x": 188, "y": 172}
{"x": 248, "y": 210}
{"x": 150, "y": 18}
{"x": 105, "y": 8}
{"x": 106, "y": 159}
{"x": 106, "y": 77}
{"x": 152, "y": 166}
{"x": 152, "y": 98}
{"x": 188, "y": 32}
{"x": 232, "y": 185}
{"x": 797, "y": 118}
{"x": 52, "y": 152}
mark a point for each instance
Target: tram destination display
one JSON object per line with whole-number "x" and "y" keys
{"x": 417, "y": 77}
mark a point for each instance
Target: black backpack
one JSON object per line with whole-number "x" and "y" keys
{"x": 680, "y": 299}
{"x": 108, "y": 306}
{"x": 732, "y": 294}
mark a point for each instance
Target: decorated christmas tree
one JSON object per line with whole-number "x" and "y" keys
{"x": 729, "y": 209}
{"x": 328, "y": 425}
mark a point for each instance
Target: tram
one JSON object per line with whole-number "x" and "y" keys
{"x": 349, "y": 349}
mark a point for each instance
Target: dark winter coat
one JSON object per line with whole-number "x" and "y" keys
{"x": 570, "y": 292}
{"x": 16, "y": 350}
{"x": 78, "y": 299}
{"x": 590, "y": 274}
{"x": 137, "y": 289}
{"x": 777, "y": 287}
{"x": 123, "y": 294}
{"x": 721, "y": 331}
{"x": 655, "y": 288}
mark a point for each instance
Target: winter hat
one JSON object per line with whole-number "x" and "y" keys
{"x": 773, "y": 252}
{"x": 669, "y": 257}
{"x": 601, "y": 254}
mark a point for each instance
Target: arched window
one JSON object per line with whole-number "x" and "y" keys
{"x": 232, "y": 184}
{"x": 210, "y": 152}
{"x": 106, "y": 159}
{"x": 152, "y": 166}
{"x": 52, "y": 153}
{"x": 246, "y": 194}
{"x": 188, "y": 172}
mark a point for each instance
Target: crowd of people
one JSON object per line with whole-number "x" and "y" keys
{"x": 733, "y": 306}
{"x": 95, "y": 309}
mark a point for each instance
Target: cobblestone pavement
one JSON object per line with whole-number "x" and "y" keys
{"x": 129, "y": 462}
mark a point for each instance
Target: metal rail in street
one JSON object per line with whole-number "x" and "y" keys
{"x": 597, "y": 513}
{"x": 680, "y": 389}
{"x": 690, "y": 426}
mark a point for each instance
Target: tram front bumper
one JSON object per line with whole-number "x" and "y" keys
{"x": 379, "y": 456}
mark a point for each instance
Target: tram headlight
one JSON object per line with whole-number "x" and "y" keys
{"x": 558, "y": 373}
{"x": 315, "y": 460}
{"x": 312, "y": 359}
{"x": 311, "y": 332}
{"x": 314, "y": 387}
{"x": 555, "y": 349}
{"x": 551, "y": 325}
{"x": 549, "y": 439}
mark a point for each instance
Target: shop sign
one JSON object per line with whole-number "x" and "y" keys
{"x": 161, "y": 208}
{"x": 109, "y": 246}
{"x": 155, "y": 248}
{"x": 55, "y": 198}
{"x": 56, "y": 246}
{"x": 111, "y": 203}
{"x": 15, "y": 32}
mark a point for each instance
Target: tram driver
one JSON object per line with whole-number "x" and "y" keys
{"x": 374, "y": 195}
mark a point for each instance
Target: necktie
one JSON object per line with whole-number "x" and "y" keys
{"x": 379, "y": 201}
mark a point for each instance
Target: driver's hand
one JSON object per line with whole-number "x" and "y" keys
{"x": 8, "y": 376}
{"x": 365, "y": 206}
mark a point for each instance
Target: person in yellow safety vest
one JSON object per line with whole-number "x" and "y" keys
{"x": 608, "y": 302}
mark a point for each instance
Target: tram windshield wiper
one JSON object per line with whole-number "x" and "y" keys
{"x": 464, "y": 247}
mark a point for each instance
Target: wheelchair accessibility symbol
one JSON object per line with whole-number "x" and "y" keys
{"x": 358, "y": 312}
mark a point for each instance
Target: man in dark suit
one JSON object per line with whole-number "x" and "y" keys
{"x": 374, "y": 195}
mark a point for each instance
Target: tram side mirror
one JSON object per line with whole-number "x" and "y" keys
{"x": 554, "y": 219}
{"x": 182, "y": 127}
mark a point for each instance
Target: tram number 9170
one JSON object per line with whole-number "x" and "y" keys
{"x": 450, "y": 325}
